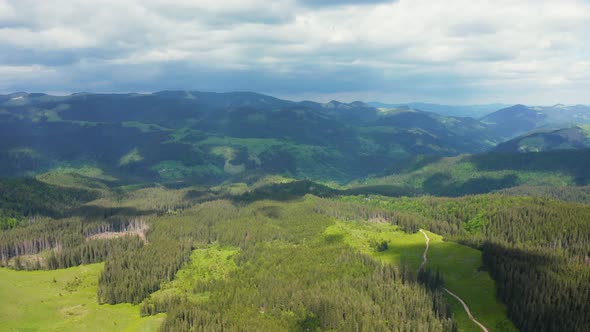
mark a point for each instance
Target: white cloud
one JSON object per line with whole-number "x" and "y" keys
{"x": 426, "y": 49}
{"x": 55, "y": 37}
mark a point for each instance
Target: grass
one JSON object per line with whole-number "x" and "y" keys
{"x": 132, "y": 157}
{"x": 460, "y": 267}
{"x": 459, "y": 171}
{"x": 207, "y": 264}
{"x": 403, "y": 248}
{"x": 64, "y": 300}
{"x": 462, "y": 270}
{"x": 81, "y": 177}
{"x": 173, "y": 169}
{"x": 232, "y": 188}
{"x": 83, "y": 170}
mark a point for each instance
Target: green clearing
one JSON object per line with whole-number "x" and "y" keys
{"x": 460, "y": 267}
{"x": 88, "y": 171}
{"x": 173, "y": 169}
{"x": 403, "y": 248}
{"x": 206, "y": 265}
{"x": 462, "y": 270}
{"x": 132, "y": 157}
{"x": 64, "y": 300}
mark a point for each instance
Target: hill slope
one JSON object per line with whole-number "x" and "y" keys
{"x": 482, "y": 173}
{"x": 577, "y": 137}
{"x": 210, "y": 137}
{"x": 473, "y": 111}
{"x": 518, "y": 119}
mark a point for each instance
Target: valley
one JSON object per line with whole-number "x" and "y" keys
{"x": 295, "y": 166}
{"x": 244, "y": 211}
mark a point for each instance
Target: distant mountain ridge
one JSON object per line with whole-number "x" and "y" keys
{"x": 474, "y": 111}
{"x": 485, "y": 172}
{"x": 207, "y": 136}
{"x": 211, "y": 137}
{"x": 577, "y": 137}
{"x": 518, "y": 119}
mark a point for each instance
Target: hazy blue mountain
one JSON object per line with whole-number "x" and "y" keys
{"x": 577, "y": 137}
{"x": 474, "y": 111}
{"x": 203, "y": 136}
{"x": 519, "y": 119}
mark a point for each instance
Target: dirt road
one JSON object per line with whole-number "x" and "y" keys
{"x": 424, "y": 260}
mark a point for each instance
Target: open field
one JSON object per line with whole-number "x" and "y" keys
{"x": 462, "y": 270}
{"x": 460, "y": 267}
{"x": 64, "y": 300}
{"x": 403, "y": 248}
{"x": 206, "y": 264}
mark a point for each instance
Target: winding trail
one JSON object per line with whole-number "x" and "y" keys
{"x": 466, "y": 309}
{"x": 425, "y": 254}
{"x": 424, "y": 260}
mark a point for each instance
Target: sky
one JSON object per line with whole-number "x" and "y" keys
{"x": 534, "y": 52}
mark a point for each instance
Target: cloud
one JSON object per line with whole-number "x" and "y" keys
{"x": 472, "y": 28}
{"x": 223, "y": 13}
{"x": 459, "y": 50}
{"x": 326, "y": 3}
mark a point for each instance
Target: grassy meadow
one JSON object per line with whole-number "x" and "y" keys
{"x": 64, "y": 300}
{"x": 403, "y": 248}
{"x": 461, "y": 267}
{"x": 464, "y": 274}
{"x": 207, "y": 264}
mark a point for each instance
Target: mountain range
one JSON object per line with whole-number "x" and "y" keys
{"x": 211, "y": 137}
{"x": 473, "y": 111}
{"x": 576, "y": 137}
{"x": 519, "y": 119}
{"x": 243, "y": 211}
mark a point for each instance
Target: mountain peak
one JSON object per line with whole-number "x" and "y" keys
{"x": 359, "y": 103}
{"x": 560, "y": 106}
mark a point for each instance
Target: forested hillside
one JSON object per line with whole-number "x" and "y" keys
{"x": 518, "y": 119}
{"x": 486, "y": 172}
{"x": 283, "y": 272}
{"x": 295, "y": 166}
{"x": 536, "y": 249}
{"x": 577, "y": 137}
{"x": 210, "y": 137}
{"x": 284, "y": 267}
{"x": 240, "y": 211}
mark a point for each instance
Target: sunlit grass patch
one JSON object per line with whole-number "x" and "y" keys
{"x": 206, "y": 264}
{"x": 64, "y": 300}
{"x": 462, "y": 270}
{"x": 132, "y": 157}
{"x": 402, "y": 248}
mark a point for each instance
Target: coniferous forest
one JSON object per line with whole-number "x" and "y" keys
{"x": 295, "y": 165}
{"x": 284, "y": 270}
{"x": 197, "y": 211}
{"x": 217, "y": 226}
